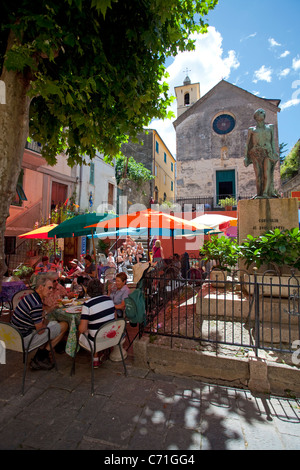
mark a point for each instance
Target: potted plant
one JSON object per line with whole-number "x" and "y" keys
{"x": 223, "y": 253}
{"x": 228, "y": 203}
{"x": 22, "y": 271}
{"x": 275, "y": 250}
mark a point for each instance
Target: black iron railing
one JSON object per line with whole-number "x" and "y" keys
{"x": 240, "y": 311}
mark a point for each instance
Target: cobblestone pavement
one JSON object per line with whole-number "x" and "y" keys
{"x": 143, "y": 411}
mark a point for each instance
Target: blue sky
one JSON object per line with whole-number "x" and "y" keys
{"x": 254, "y": 45}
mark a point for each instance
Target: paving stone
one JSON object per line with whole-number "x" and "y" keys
{"x": 143, "y": 411}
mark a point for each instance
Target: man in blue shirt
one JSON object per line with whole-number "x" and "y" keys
{"x": 29, "y": 318}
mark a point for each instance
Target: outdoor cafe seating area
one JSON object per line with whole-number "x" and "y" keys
{"x": 126, "y": 256}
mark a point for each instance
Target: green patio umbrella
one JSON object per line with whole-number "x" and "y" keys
{"x": 75, "y": 227}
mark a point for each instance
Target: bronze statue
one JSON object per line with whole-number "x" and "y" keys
{"x": 260, "y": 150}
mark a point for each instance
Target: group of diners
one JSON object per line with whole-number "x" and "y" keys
{"x": 30, "y": 316}
{"x": 130, "y": 252}
{"x": 76, "y": 268}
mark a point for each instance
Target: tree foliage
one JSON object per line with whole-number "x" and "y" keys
{"x": 291, "y": 164}
{"x": 95, "y": 67}
{"x": 83, "y": 75}
{"x": 128, "y": 167}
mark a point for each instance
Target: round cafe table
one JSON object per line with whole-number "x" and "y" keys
{"x": 71, "y": 314}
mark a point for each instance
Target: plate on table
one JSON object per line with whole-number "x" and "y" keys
{"x": 66, "y": 303}
{"x": 76, "y": 309}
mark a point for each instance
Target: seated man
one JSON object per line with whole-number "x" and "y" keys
{"x": 58, "y": 292}
{"x": 28, "y": 318}
{"x": 95, "y": 312}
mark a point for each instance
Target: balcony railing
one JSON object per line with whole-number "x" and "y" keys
{"x": 34, "y": 146}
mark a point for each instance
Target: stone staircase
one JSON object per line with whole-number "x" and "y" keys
{"x": 144, "y": 242}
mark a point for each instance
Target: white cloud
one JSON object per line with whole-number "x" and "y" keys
{"x": 248, "y": 37}
{"x": 264, "y": 74}
{"x": 206, "y": 64}
{"x": 284, "y": 54}
{"x": 296, "y": 63}
{"x": 273, "y": 43}
{"x": 289, "y": 103}
{"x": 283, "y": 73}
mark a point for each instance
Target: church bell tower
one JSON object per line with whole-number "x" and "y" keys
{"x": 186, "y": 95}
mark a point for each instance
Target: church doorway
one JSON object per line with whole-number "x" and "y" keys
{"x": 225, "y": 184}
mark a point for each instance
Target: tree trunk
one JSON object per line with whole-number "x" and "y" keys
{"x": 14, "y": 129}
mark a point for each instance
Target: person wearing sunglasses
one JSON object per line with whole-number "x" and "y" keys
{"x": 29, "y": 318}
{"x": 58, "y": 292}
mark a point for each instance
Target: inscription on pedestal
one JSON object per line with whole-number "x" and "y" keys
{"x": 257, "y": 216}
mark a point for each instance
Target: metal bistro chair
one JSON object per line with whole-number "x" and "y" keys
{"x": 110, "y": 274}
{"x": 19, "y": 296}
{"x": 8, "y": 306}
{"x": 13, "y": 341}
{"x": 107, "y": 336}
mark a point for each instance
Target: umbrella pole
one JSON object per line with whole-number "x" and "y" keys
{"x": 172, "y": 241}
{"x": 93, "y": 240}
{"x": 148, "y": 243}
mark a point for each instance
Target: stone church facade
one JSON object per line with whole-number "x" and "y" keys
{"x": 211, "y": 135}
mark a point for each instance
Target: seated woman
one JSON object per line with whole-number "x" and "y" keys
{"x": 44, "y": 266}
{"x": 119, "y": 293}
{"x": 139, "y": 254}
{"x": 75, "y": 270}
{"x": 57, "y": 265}
{"x": 96, "y": 311}
{"x": 90, "y": 268}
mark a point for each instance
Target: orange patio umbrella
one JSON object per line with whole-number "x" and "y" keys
{"x": 151, "y": 219}
{"x": 41, "y": 232}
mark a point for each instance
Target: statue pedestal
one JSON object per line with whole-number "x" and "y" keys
{"x": 257, "y": 216}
